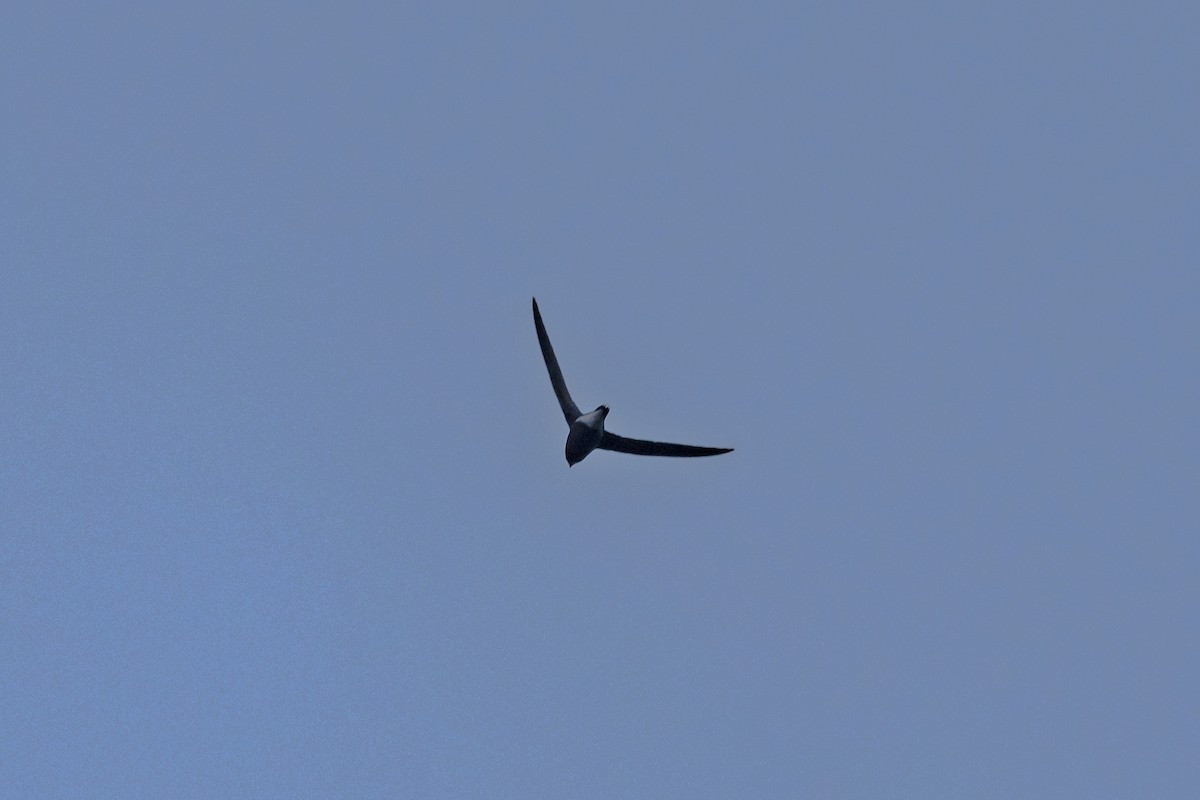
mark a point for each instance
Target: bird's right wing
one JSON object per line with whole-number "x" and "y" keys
{"x": 569, "y": 409}
{"x": 640, "y": 447}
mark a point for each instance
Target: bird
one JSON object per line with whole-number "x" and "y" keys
{"x": 587, "y": 430}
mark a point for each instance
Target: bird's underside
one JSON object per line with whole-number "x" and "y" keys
{"x": 587, "y": 430}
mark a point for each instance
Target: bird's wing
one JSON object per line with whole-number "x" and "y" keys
{"x": 640, "y": 447}
{"x": 569, "y": 409}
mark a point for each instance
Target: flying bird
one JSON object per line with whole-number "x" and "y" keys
{"x": 587, "y": 430}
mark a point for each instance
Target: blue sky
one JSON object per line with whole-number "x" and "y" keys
{"x": 284, "y": 505}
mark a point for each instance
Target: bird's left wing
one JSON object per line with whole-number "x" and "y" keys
{"x": 640, "y": 447}
{"x": 569, "y": 409}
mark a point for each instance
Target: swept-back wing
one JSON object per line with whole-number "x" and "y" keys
{"x": 640, "y": 447}
{"x": 569, "y": 409}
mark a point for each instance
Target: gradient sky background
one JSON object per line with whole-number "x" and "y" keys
{"x": 283, "y": 502}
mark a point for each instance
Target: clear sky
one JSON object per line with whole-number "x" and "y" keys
{"x": 284, "y": 511}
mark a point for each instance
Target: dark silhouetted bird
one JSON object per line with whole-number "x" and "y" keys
{"x": 587, "y": 430}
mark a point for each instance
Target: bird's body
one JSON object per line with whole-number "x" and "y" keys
{"x": 587, "y": 430}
